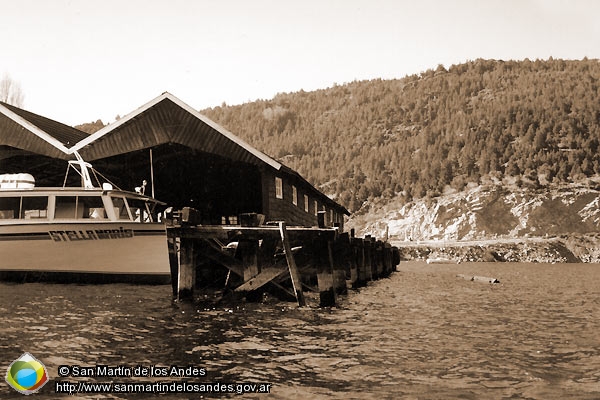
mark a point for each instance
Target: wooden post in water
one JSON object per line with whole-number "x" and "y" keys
{"x": 173, "y": 246}
{"x": 343, "y": 256}
{"x": 294, "y": 273}
{"x": 395, "y": 257}
{"x": 249, "y": 252}
{"x": 374, "y": 275}
{"x": 324, "y": 268}
{"x": 359, "y": 245}
{"x": 249, "y": 249}
{"x": 379, "y": 258}
{"x": 339, "y": 272}
{"x": 387, "y": 259}
{"x": 374, "y": 259}
{"x": 368, "y": 258}
{"x": 352, "y": 262}
{"x": 187, "y": 270}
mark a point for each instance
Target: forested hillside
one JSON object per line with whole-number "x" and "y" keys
{"x": 538, "y": 121}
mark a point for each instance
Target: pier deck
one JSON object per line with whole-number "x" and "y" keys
{"x": 253, "y": 258}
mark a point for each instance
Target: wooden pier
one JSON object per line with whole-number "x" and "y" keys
{"x": 251, "y": 258}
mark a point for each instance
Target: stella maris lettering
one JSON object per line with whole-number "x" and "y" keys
{"x": 95, "y": 234}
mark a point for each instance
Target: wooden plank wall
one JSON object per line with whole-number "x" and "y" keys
{"x": 284, "y": 210}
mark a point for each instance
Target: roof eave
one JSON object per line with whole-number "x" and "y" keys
{"x": 34, "y": 129}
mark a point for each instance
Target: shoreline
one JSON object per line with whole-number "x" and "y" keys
{"x": 561, "y": 249}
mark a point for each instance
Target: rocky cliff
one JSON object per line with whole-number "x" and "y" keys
{"x": 514, "y": 222}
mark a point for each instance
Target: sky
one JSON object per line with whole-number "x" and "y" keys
{"x": 82, "y": 60}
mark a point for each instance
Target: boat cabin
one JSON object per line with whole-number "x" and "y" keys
{"x": 75, "y": 204}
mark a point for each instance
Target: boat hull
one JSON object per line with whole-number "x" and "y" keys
{"x": 84, "y": 252}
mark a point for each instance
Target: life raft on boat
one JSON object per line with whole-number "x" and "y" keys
{"x": 17, "y": 181}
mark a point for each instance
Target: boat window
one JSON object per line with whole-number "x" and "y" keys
{"x": 34, "y": 207}
{"x": 92, "y": 206}
{"x": 65, "y": 207}
{"x": 139, "y": 210}
{"x": 9, "y": 207}
{"x": 120, "y": 208}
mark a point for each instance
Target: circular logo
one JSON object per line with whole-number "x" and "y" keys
{"x": 26, "y": 374}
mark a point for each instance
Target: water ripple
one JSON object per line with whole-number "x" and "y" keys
{"x": 423, "y": 333}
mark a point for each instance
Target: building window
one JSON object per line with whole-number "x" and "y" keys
{"x": 306, "y": 205}
{"x": 316, "y": 208}
{"x": 331, "y": 216}
{"x": 278, "y": 188}
{"x": 294, "y": 195}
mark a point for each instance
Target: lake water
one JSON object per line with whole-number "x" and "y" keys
{"x": 423, "y": 333}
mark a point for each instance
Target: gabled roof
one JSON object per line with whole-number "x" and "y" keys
{"x": 25, "y": 130}
{"x": 166, "y": 119}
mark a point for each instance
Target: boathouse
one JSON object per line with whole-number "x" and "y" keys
{"x": 185, "y": 158}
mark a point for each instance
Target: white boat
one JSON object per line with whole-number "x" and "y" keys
{"x": 440, "y": 260}
{"x": 86, "y": 234}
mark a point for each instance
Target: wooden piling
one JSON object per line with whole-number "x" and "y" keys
{"x": 173, "y": 247}
{"x": 187, "y": 270}
{"x": 346, "y": 259}
{"x": 387, "y": 259}
{"x": 359, "y": 249}
{"x": 339, "y": 272}
{"x": 352, "y": 261}
{"x": 378, "y": 259}
{"x": 395, "y": 258}
{"x": 324, "y": 268}
{"x": 368, "y": 246}
{"x": 248, "y": 250}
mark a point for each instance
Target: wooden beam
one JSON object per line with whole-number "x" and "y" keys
{"x": 231, "y": 232}
{"x": 266, "y": 275}
{"x": 209, "y": 249}
{"x": 295, "y": 275}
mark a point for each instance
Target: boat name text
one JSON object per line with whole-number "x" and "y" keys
{"x": 96, "y": 234}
